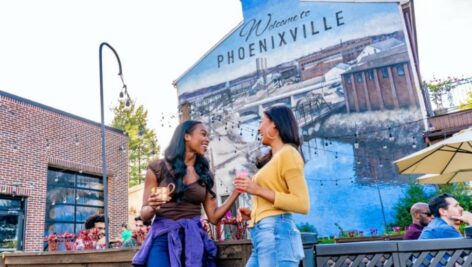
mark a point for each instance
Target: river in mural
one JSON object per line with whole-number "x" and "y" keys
{"x": 352, "y": 182}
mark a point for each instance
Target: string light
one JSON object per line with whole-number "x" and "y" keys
{"x": 356, "y": 142}
{"x": 390, "y": 135}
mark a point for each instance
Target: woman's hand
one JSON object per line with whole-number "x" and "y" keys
{"x": 243, "y": 214}
{"x": 245, "y": 184}
{"x": 155, "y": 201}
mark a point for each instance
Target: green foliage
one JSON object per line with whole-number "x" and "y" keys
{"x": 143, "y": 145}
{"x": 326, "y": 240}
{"x": 468, "y": 103}
{"x": 306, "y": 227}
{"x": 437, "y": 88}
{"x": 341, "y": 230}
{"x": 460, "y": 193}
{"x": 414, "y": 193}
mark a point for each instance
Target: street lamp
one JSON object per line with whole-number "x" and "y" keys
{"x": 124, "y": 91}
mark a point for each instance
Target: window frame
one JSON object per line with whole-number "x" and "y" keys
{"x": 75, "y": 204}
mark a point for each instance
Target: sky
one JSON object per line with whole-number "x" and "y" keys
{"x": 49, "y": 49}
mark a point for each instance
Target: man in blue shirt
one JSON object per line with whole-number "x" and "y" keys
{"x": 448, "y": 215}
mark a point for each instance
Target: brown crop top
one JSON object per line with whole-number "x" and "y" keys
{"x": 191, "y": 203}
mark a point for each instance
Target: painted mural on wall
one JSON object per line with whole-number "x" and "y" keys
{"x": 345, "y": 70}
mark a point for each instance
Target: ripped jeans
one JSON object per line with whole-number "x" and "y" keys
{"x": 276, "y": 242}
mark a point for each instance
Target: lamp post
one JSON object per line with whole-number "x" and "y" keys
{"x": 104, "y": 158}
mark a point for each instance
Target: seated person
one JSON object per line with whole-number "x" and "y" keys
{"x": 94, "y": 231}
{"x": 139, "y": 233}
{"x": 448, "y": 213}
{"x": 420, "y": 216}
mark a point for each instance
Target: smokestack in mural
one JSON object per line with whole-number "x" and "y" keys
{"x": 261, "y": 70}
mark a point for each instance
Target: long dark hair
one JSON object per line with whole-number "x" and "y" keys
{"x": 287, "y": 125}
{"x": 175, "y": 156}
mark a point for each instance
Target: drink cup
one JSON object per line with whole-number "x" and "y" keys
{"x": 163, "y": 192}
{"x": 242, "y": 172}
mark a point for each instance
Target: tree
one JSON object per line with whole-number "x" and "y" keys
{"x": 414, "y": 193}
{"x": 142, "y": 144}
{"x": 468, "y": 103}
{"x": 460, "y": 193}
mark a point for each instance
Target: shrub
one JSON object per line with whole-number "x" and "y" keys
{"x": 306, "y": 227}
{"x": 414, "y": 193}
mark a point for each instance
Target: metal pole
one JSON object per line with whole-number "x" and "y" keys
{"x": 104, "y": 161}
{"x": 374, "y": 173}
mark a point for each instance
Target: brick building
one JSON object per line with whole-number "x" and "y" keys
{"x": 51, "y": 173}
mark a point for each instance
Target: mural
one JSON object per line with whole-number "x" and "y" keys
{"x": 345, "y": 70}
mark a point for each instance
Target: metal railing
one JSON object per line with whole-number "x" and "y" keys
{"x": 437, "y": 252}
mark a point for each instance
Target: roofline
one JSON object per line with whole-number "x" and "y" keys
{"x": 176, "y": 81}
{"x": 48, "y": 108}
{"x": 359, "y": 1}
{"x": 376, "y": 67}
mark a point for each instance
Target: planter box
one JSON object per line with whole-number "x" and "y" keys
{"x": 368, "y": 238}
{"x": 231, "y": 253}
{"x": 89, "y": 258}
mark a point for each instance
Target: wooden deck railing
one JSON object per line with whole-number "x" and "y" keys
{"x": 230, "y": 254}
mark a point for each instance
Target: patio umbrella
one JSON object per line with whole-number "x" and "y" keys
{"x": 450, "y": 155}
{"x": 453, "y": 177}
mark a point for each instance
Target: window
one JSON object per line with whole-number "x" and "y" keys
{"x": 384, "y": 72}
{"x": 348, "y": 79}
{"x": 400, "y": 70}
{"x": 370, "y": 75}
{"x": 359, "y": 77}
{"x": 11, "y": 223}
{"x": 71, "y": 198}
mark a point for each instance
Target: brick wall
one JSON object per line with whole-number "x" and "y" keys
{"x": 34, "y": 137}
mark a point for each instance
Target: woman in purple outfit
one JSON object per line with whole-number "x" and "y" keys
{"x": 177, "y": 237}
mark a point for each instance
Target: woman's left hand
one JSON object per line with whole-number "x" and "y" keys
{"x": 245, "y": 184}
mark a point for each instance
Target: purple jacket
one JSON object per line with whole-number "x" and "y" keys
{"x": 199, "y": 249}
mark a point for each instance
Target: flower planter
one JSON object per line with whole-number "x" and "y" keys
{"x": 368, "y": 238}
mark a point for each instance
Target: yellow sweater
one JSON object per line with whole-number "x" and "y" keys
{"x": 284, "y": 175}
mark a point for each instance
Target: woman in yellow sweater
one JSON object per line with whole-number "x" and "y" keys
{"x": 278, "y": 189}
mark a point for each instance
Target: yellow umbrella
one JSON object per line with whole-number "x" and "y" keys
{"x": 453, "y": 177}
{"x": 450, "y": 155}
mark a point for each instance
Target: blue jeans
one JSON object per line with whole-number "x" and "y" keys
{"x": 159, "y": 255}
{"x": 276, "y": 242}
